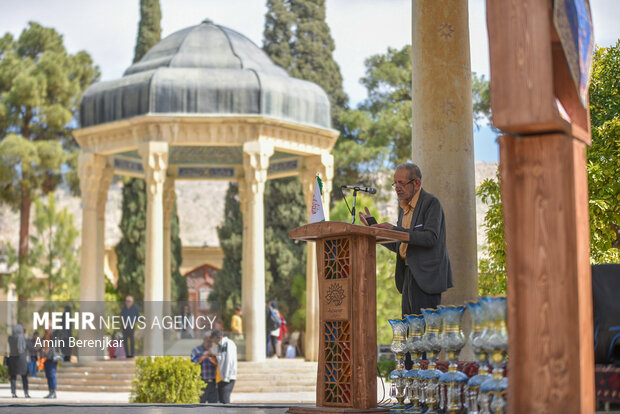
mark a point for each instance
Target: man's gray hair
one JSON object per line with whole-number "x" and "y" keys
{"x": 414, "y": 170}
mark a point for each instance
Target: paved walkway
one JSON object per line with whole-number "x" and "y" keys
{"x": 144, "y": 408}
{"x": 123, "y": 397}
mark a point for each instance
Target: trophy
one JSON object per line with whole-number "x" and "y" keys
{"x": 452, "y": 383}
{"x": 416, "y": 348}
{"x": 495, "y": 343}
{"x": 397, "y": 376}
{"x": 429, "y": 377}
{"x": 479, "y": 321}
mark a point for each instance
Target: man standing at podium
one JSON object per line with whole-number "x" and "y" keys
{"x": 423, "y": 269}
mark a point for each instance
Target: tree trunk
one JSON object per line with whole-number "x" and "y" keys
{"x": 24, "y": 225}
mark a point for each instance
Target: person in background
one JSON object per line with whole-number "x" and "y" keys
{"x": 227, "y": 365}
{"x": 33, "y": 351}
{"x": 202, "y": 355}
{"x": 290, "y": 350}
{"x": 236, "y": 323}
{"x": 129, "y": 316}
{"x": 52, "y": 357}
{"x": 283, "y": 334}
{"x": 65, "y": 334}
{"x": 273, "y": 328}
{"x": 188, "y": 323}
{"x": 18, "y": 360}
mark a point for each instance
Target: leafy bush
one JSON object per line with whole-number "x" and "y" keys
{"x": 166, "y": 380}
{"x": 4, "y": 374}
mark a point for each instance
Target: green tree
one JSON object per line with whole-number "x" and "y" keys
{"x": 603, "y": 165}
{"x": 481, "y": 99}
{"x": 284, "y": 258}
{"x": 227, "y": 287}
{"x": 492, "y": 265}
{"x": 178, "y": 290}
{"x": 278, "y": 33}
{"x": 54, "y": 250}
{"x": 296, "y": 36}
{"x": 131, "y": 248}
{"x": 40, "y": 89}
{"x": 376, "y": 136}
{"x": 313, "y": 50}
{"x": 53, "y": 254}
{"x": 149, "y": 28}
{"x": 604, "y": 156}
{"x": 24, "y": 166}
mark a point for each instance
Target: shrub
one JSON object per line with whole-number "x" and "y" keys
{"x": 166, "y": 380}
{"x": 4, "y": 373}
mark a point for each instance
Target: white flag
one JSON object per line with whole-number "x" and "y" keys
{"x": 317, "y": 214}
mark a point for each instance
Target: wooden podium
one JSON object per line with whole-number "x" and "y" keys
{"x": 346, "y": 266}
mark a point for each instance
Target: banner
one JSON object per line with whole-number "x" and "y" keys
{"x": 317, "y": 214}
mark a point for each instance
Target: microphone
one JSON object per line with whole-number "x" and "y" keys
{"x": 369, "y": 190}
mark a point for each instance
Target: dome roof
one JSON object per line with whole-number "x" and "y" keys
{"x": 205, "y": 69}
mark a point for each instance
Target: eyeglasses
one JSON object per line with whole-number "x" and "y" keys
{"x": 401, "y": 184}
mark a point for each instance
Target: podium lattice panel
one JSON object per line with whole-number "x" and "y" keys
{"x": 337, "y": 258}
{"x": 337, "y": 339}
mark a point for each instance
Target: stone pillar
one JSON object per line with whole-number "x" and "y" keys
{"x": 90, "y": 170}
{"x": 102, "y": 198}
{"x": 442, "y": 143}
{"x": 255, "y": 163}
{"x": 169, "y": 197}
{"x": 324, "y": 166}
{"x": 155, "y": 162}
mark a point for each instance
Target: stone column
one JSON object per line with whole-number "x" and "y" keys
{"x": 155, "y": 162}
{"x": 90, "y": 171}
{"x": 255, "y": 163}
{"x": 102, "y": 198}
{"x": 324, "y": 166}
{"x": 169, "y": 197}
{"x": 442, "y": 144}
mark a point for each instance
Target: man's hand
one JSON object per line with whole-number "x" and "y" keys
{"x": 363, "y": 216}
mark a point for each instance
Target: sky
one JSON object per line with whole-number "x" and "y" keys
{"x": 360, "y": 28}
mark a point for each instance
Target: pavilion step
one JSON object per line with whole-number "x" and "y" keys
{"x": 273, "y": 375}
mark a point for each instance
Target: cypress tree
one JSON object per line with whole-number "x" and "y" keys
{"x": 297, "y": 38}
{"x": 278, "y": 33}
{"x": 313, "y": 50}
{"x": 131, "y": 248}
{"x": 149, "y": 28}
{"x": 284, "y": 259}
{"x": 226, "y": 291}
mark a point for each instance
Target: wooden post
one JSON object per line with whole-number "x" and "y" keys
{"x": 545, "y": 204}
{"x": 346, "y": 264}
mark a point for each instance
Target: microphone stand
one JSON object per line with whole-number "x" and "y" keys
{"x": 353, "y": 209}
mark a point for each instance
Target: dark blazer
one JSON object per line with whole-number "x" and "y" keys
{"x": 427, "y": 254}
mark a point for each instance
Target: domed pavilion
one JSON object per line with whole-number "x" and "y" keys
{"x": 205, "y": 103}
